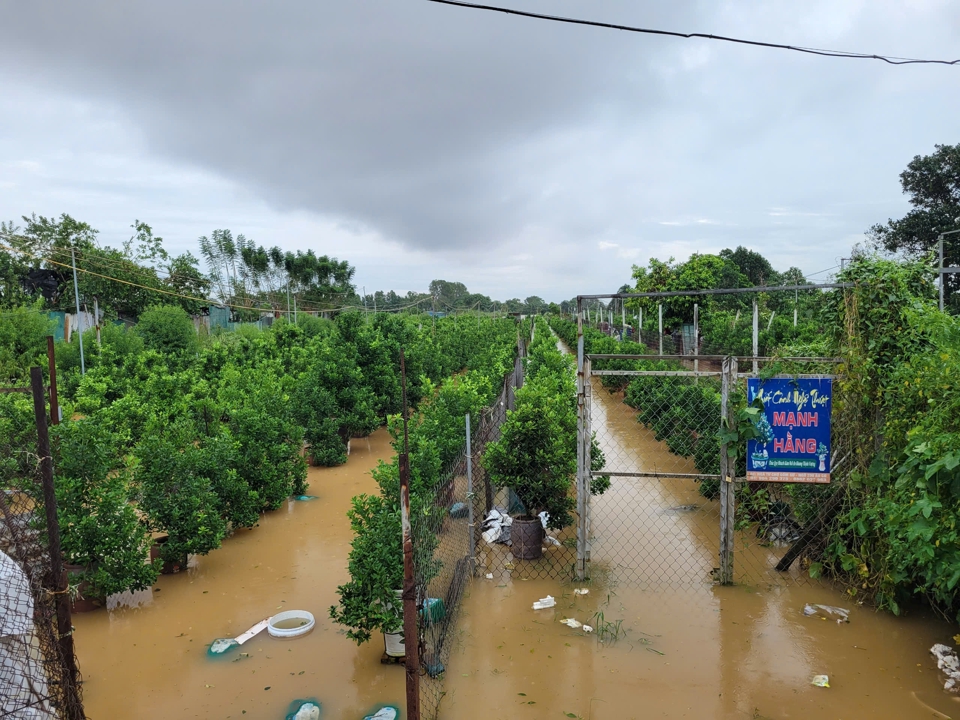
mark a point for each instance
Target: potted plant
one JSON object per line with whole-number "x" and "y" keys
{"x": 536, "y": 456}
{"x": 104, "y": 541}
{"x": 178, "y": 498}
{"x": 369, "y": 600}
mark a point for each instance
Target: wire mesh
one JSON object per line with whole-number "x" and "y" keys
{"x": 659, "y": 524}
{"x": 37, "y": 676}
{"x": 445, "y": 547}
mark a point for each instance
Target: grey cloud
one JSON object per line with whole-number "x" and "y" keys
{"x": 455, "y": 131}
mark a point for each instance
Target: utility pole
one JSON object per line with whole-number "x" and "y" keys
{"x": 76, "y": 297}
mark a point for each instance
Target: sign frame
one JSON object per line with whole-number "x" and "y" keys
{"x": 794, "y": 446}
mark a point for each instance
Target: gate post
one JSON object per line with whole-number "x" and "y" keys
{"x": 728, "y": 472}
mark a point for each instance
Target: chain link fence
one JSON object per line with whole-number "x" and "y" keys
{"x": 655, "y": 408}
{"x": 446, "y": 536}
{"x": 38, "y": 674}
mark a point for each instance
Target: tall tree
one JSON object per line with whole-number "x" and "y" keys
{"x": 932, "y": 183}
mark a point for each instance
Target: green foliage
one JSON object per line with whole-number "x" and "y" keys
{"x": 334, "y": 404}
{"x": 932, "y": 184}
{"x": 177, "y": 496}
{"x": 368, "y": 602}
{"x": 99, "y": 528}
{"x": 168, "y": 329}
{"x": 268, "y": 442}
{"x": 18, "y": 443}
{"x": 536, "y": 454}
{"x": 436, "y": 437}
{"x": 23, "y": 342}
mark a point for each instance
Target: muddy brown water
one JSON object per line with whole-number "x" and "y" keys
{"x": 150, "y": 661}
{"x": 688, "y": 648}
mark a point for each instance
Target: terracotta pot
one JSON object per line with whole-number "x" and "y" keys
{"x": 526, "y": 538}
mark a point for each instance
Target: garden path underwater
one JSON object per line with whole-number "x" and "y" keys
{"x": 689, "y": 649}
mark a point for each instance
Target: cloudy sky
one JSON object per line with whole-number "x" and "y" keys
{"x": 422, "y": 141}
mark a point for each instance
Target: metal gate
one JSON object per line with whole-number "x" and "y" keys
{"x": 678, "y": 512}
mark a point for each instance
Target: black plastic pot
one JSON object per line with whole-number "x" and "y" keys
{"x": 526, "y": 537}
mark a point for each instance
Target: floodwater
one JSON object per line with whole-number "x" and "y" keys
{"x": 150, "y": 661}
{"x": 686, "y": 647}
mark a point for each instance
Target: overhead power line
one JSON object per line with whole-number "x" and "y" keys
{"x": 171, "y": 293}
{"x": 892, "y": 60}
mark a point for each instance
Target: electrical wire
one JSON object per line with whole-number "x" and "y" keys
{"x": 820, "y": 272}
{"x": 169, "y": 292}
{"x": 892, "y": 60}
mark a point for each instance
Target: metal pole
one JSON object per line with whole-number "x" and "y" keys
{"x": 588, "y": 460}
{"x": 940, "y": 243}
{"x": 52, "y": 368}
{"x": 756, "y": 335}
{"x": 660, "y": 316}
{"x": 76, "y": 297}
{"x": 696, "y": 339}
{"x": 365, "y": 313}
{"x": 96, "y": 320}
{"x": 411, "y": 639}
{"x": 727, "y": 473}
{"x": 57, "y": 578}
{"x": 770, "y": 323}
{"x": 623, "y": 320}
{"x": 582, "y": 463}
{"x": 288, "y": 301}
{"x": 294, "y": 308}
{"x": 472, "y": 548}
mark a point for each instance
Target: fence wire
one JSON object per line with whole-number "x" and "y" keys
{"x": 659, "y": 524}
{"x": 37, "y": 672}
{"x": 445, "y": 547}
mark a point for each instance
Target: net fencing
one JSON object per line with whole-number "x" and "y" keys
{"x": 38, "y": 677}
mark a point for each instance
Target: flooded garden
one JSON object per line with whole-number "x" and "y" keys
{"x": 695, "y": 650}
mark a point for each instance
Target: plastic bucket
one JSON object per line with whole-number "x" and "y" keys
{"x": 291, "y": 617}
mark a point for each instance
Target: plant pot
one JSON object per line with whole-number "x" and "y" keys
{"x": 169, "y": 568}
{"x": 393, "y": 645}
{"x": 526, "y": 537}
{"x": 759, "y": 460}
{"x": 82, "y": 603}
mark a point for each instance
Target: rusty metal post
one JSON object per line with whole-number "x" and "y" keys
{"x": 727, "y": 473}
{"x": 411, "y": 638}
{"x": 57, "y": 578}
{"x": 52, "y": 368}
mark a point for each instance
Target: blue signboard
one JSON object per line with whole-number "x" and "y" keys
{"x": 794, "y": 442}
